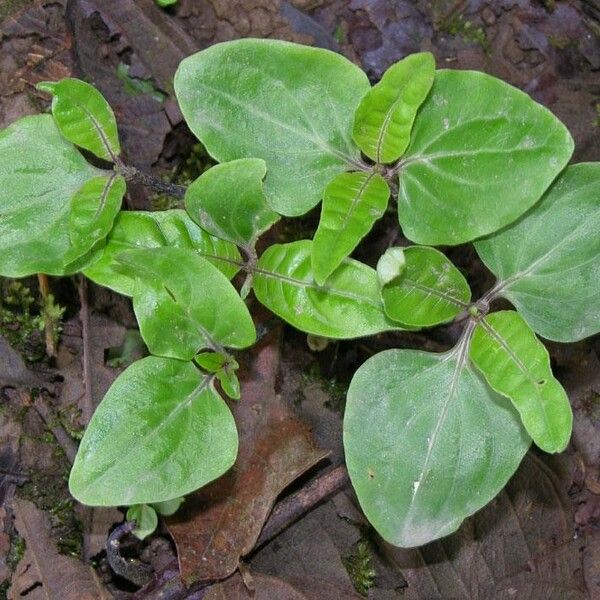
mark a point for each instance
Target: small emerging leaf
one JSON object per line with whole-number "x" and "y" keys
{"x": 288, "y": 104}
{"x": 516, "y": 364}
{"x": 93, "y": 211}
{"x": 427, "y": 443}
{"x": 84, "y": 117}
{"x": 548, "y": 262}
{"x": 224, "y": 366}
{"x": 390, "y": 265}
{"x": 119, "y": 461}
{"x": 169, "y": 228}
{"x": 146, "y": 520}
{"x": 168, "y": 508}
{"x": 39, "y": 174}
{"x": 429, "y": 289}
{"x": 211, "y": 361}
{"x": 347, "y": 306}
{"x": 385, "y": 116}
{"x": 474, "y": 137}
{"x": 352, "y": 202}
{"x": 228, "y": 201}
{"x": 184, "y": 304}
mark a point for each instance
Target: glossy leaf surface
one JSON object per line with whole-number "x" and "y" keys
{"x": 169, "y": 228}
{"x": 548, "y": 262}
{"x": 473, "y": 139}
{"x": 429, "y": 289}
{"x": 161, "y": 432}
{"x": 352, "y": 202}
{"x": 385, "y": 115}
{"x": 93, "y": 211}
{"x": 427, "y": 443}
{"x": 84, "y": 117}
{"x": 516, "y": 364}
{"x": 228, "y": 201}
{"x": 184, "y": 304}
{"x": 288, "y": 104}
{"x": 39, "y": 174}
{"x": 347, "y": 306}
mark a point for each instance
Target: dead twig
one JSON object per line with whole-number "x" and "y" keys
{"x": 84, "y": 317}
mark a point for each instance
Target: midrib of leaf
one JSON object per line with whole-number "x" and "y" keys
{"x": 521, "y": 366}
{"x": 316, "y": 140}
{"x": 462, "y": 350}
{"x": 357, "y": 198}
{"x": 314, "y": 286}
{"x": 434, "y": 292}
{"x": 100, "y": 132}
{"x": 502, "y": 286}
{"x": 384, "y": 127}
{"x": 184, "y": 403}
{"x": 104, "y": 195}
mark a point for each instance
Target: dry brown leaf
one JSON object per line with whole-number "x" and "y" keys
{"x": 221, "y": 522}
{"x": 43, "y": 573}
{"x": 253, "y": 586}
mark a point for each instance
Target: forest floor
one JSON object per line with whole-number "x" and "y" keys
{"x": 540, "y": 538}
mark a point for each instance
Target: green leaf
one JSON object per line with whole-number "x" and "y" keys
{"x": 288, "y": 104}
{"x": 161, "y": 432}
{"x": 347, "y": 306}
{"x": 385, "y": 115}
{"x": 224, "y": 366}
{"x": 84, "y": 117}
{"x": 168, "y": 507}
{"x": 156, "y": 230}
{"x": 352, "y": 202}
{"x": 427, "y": 443}
{"x": 390, "y": 265}
{"x": 548, "y": 262}
{"x": 516, "y": 364}
{"x": 93, "y": 211}
{"x": 146, "y": 520}
{"x": 165, "y": 3}
{"x": 474, "y": 138}
{"x": 228, "y": 201}
{"x": 184, "y": 304}
{"x": 428, "y": 290}
{"x": 39, "y": 173}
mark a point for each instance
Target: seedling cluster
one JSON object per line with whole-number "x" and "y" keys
{"x": 464, "y": 157}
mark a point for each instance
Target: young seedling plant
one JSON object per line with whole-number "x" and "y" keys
{"x": 464, "y": 157}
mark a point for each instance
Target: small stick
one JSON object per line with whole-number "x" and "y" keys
{"x": 84, "y": 317}
{"x": 158, "y": 185}
{"x": 289, "y": 510}
{"x": 133, "y": 570}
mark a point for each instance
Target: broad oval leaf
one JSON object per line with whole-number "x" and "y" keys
{"x": 516, "y": 364}
{"x": 39, "y": 174}
{"x": 228, "y": 201}
{"x": 84, "y": 117}
{"x": 288, "y": 104}
{"x": 156, "y": 230}
{"x": 184, "y": 304}
{"x": 347, "y": 306}
{"x": 428, "y": 290}
{"x": 385, "y": 116}
{"x": 94, "y": 208}
{"x": 427, "y": 443}
{"x": 160, "y": 432}
{"x": 548, "y": 262}
{"x": 474, "y": 137}
{"x": 352, "y": 202}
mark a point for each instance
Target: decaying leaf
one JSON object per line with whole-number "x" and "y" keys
{"x": 253, "y": 586}
{"x": 43, "y": 573}
{"x": 221, "y": 522}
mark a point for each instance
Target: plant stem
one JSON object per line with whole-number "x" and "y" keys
{"x": 155, "y": 183}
